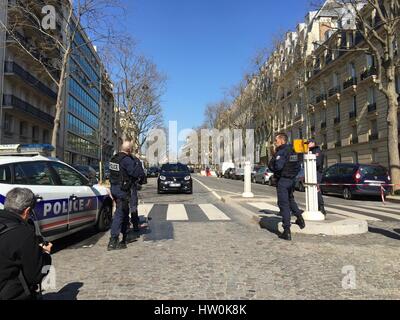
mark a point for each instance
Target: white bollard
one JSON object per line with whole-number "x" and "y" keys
{"x": 310, "y": 174}
{"x": 247, "y": 181}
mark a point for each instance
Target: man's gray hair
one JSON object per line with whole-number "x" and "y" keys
{"x": 19, "y": 199}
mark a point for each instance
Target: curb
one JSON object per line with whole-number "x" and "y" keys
{"x": 392, "y": 200}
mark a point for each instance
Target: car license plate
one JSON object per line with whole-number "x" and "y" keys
{"x": 175, "y": 185}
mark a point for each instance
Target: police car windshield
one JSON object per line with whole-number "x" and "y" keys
{"x": 174, "y": 168}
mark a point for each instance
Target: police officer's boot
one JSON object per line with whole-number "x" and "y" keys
{"x": 113, "y": 244}
{"x": 300, "y": 222}
{"x": 122, "y": 244}
{"x": 286, "y": 235}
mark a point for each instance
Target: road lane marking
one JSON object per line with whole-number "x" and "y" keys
{"x": 177, "y": 212}
{"x": 209, "y": 189}
{"x": 213, "y": 213}
{"x": 144, "y": 209}
{"x": 378, "y": 213}
{"x": 388, "y": 209}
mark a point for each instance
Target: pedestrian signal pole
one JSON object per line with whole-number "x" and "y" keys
{"x": 312, "y": 212}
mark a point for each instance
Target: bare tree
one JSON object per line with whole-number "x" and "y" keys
{"x": 140, "y": 88}
{"x": 57, "y": 30}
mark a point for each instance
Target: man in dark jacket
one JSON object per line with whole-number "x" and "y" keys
{"x": 312, "y": 145}
{"x": 22, "y": 257}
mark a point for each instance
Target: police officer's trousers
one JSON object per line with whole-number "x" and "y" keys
{"x": 133, "y": 204}
{"x": 321, "y": 202}
{"x": 286, "y": 202}
{"x": 120, "y": 221}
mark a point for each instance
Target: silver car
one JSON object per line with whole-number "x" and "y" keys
{"x": 263, "y": 176}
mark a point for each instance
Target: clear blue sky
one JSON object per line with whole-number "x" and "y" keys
{"x": 204, "y": 46}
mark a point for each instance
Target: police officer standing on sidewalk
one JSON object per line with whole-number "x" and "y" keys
{"x": 285, "y": 165}
{"x": 314, "y": 149}
{"x": 124, "y": 172}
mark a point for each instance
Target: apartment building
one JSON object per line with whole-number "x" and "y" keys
{"x": 28, "y": 96}
{"x": 318, "y": 86}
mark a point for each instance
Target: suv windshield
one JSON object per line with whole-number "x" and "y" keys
{"x": 373, "y": 170}
{"x": 174, "y": 168}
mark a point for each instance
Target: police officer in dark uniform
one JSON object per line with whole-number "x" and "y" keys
{"x": 134, "y": 200}
{"x": 314, "y": 149}
{"x": 285, "y": 165}
{"x": 124, "y": 171}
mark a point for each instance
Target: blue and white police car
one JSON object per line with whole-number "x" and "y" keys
{"x": 67, "y": 202}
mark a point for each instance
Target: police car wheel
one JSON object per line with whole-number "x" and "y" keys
{"x": 105, "y": 218}
{"x": 347, "y": 195}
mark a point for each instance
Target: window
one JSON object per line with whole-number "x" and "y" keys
{"x": 35, "y": 134}
{"x": 370, "y": 60}
{"x": 5, "y": 175}
{"x": 33, "y": 173}
{"x": 68, "y": 177}
{"x": 352, "y": 70}
{"x": 398, "y": 83}
{"x": 355, "y": 157}
{"x": 338, "y": 110}
{"x": 354, "y": 105}
{"x": 338, "y": 137}
{"x": 46, "y": 136}
{"x": 374, "y": 155}
{"x": 354, "y": 133}
{"x": 300, "y": 133}
{"x": 345, "y": 170}
{"x": 374, "y": 127}
{"x": 371, "y": 95}
{"x": 323, "y": 116}
{"x": 23, "y": 129}
{"x": 335, "y": 80}
{"x": 331, "y": 172}
{"x": 8, "y": 123}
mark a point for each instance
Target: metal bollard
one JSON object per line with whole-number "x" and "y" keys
{"x": 310, "y": 173}
{"x": 247, "y": 181}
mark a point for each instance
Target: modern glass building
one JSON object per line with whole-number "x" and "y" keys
{"x": 83, "y": 102}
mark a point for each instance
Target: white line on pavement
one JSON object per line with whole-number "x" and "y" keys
{"x": 351, "y": 214}
{"x": 177, "y": 212}
{"x": 209, "y": 189}
{"x": 213, "y": 213}
{"x": 264, "y": 206}
{"x": 144, "y": 209}
{"x": 379, "y": 213}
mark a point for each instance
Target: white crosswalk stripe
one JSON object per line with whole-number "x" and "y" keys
{"x": 389, "y": 209}
{"x": 346, "y": 213}
{"x": 264, "y": 206}
{"x": 379, "y": 213}
{"x": 177, "y": 212}
{"x": 213, "y": 213}
{"x": 144, "y": 209}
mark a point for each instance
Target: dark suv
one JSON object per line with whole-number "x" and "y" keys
{"x": 351, "y": 180}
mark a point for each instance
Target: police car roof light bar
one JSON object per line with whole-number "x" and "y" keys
{"x": 26, "y": 150}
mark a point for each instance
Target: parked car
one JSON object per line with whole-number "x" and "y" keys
{"x": 175, "y": 177}
{"x": 300, "y": 181}
{"x": 238, "y": 174}
{"x": 153, "y": 172}
{"x": 228, "y": 173}
{"x": 366, "y": 180}
{"x": 224, "y": 167}
{"x": 263, "y": 175}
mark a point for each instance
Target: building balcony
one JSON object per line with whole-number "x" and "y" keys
{"x": 334, "y": 91}
{"x": 321, "y": 98}
{"x": 373, "y": 137}
{"x": 349, "y": 83}
{"x": 353, "y": 115}
{"x": 323, "y": 125}
{"x": 10, "y": 101}
{"x": 336, "y": 120}
{"x": 13, "y": 68}
{"x": 369, "y": 72}
{"x": 372, "y": 107}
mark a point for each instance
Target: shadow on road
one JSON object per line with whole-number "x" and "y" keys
{"x": 386, "y": 233}
{"x": 69, "y": 292}
{"x": 84, "y": 238}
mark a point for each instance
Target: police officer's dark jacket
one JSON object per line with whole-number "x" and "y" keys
{"x": 125, "y": 171}
{"x": 19, "y": 249}
{"x": 285, "y": 163}
{"x": 320, "y": 158}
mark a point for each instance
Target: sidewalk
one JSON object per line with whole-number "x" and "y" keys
{"x": 394, "y": 199}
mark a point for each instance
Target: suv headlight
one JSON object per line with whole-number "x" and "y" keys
{"x": 162, "y": 178}
{"x": 188, "y": 178}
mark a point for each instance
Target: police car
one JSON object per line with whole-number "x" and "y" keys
{"x": 67, "y": 202}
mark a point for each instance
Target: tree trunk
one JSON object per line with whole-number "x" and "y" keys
{"x": 59, "y": 106}
{"x": 393, "y": 137}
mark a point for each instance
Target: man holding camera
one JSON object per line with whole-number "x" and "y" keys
{"x": 22, "y": 255}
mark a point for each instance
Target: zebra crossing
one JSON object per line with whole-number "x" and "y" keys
{"x": 183, "y": 212}
{"x": 355, "y": 212}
